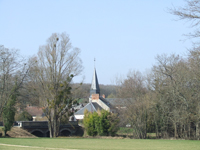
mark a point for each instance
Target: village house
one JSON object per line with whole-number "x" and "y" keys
{"x": 36, "y": 113}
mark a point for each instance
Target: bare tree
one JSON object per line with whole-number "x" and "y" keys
{"x": 194, "y": 63}
{"x": 168, "y": 103}
{"x": 57, "y": 63}
{"x": 170, "y": 80}
{"x": 133, "y": 91}
{"x": 13, "y": 71}
{"x": 189, "y": 12}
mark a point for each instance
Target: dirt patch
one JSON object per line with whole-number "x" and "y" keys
{"x": 17, "y": 132}
{"x": 35, "y": 147}
{"x": 107, "y": 137}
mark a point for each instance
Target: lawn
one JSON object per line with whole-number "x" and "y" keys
{"x": 97, "y": 144}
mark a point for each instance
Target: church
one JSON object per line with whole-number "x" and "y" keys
{"x": 96, "y": 102}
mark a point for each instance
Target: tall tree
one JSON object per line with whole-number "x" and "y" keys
{"x": 133, "y": 91}
{"x": 170, "y": 84}
{"x": 56, "y": 64}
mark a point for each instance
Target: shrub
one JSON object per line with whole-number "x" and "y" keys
{"x": 101, "y": 123}
{"x": 89, "y": 123}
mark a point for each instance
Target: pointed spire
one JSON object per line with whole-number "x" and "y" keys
{"x": 95, "y": 84}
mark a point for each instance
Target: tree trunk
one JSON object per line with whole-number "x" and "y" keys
{"x": 197, "y": 131}
{"x": 145, "y": 124}
{"x": 55, "y": 124}
{"x": 50, "y": 132}
{"x": 54, "y": 129}
{"x": 157, "y": 134}
{"x": 189, "y": 130}
{"x": 175, "y": 130}
{"x": 184, "y": 131}
{"x": 50, "y": 129}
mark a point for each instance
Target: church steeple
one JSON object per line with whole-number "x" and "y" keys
{"x": 95, "y": 84}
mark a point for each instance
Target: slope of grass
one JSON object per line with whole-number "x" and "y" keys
{"x": 101, "y": 144}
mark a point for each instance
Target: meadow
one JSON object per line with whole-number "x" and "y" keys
{"x": 96, "y": 144}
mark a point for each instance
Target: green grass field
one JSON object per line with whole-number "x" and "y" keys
{"x": 96, "y": 144}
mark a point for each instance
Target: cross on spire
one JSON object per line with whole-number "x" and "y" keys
{"x": 94, "y": 62}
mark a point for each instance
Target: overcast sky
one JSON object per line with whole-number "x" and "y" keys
{"x": 122, "y": 35}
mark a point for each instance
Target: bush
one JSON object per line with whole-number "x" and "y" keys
{"x": 113, "y": 121}
{"x": 101, "y": 123}
{"x": 89, "y": 123}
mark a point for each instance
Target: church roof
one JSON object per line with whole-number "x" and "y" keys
{"x": 104, "y": 101}
{"x": 35, "y": 111}
{"x": 97, "y": 106}
{"x": 91, "y": 107}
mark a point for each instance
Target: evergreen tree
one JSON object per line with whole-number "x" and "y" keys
{"x": 9, "y": 110}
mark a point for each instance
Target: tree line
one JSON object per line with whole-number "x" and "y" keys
{"x": 166, "y": 100}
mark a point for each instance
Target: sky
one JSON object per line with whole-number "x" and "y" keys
{"x": 122, "y": 35}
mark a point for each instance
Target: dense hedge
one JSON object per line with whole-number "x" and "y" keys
{"x": 101, "y": 123}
